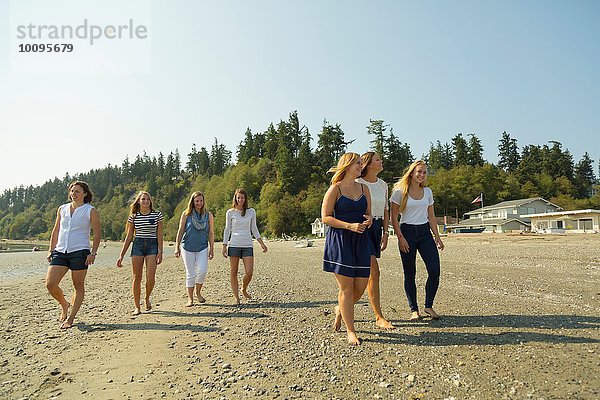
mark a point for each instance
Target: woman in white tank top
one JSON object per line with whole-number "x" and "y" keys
{"x": 70, "y": 249}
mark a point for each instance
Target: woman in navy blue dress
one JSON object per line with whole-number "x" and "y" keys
{"x": 347, "y": 210}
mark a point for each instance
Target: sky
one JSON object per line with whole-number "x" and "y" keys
{"x": 211, "y": 69}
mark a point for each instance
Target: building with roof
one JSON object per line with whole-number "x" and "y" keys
{"x": 574, "y": 221}
{"x": 506, "y": 216}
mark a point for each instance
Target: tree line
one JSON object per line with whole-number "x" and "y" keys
{"x": 286, "y": 178}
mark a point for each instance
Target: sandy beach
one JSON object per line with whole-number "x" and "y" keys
{"x": 519, "y": 321}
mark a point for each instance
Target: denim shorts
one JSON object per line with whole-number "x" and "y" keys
{"x": 144, "y": 247}
{"x": 240, "y": 252}
{"x": 74, "y": 260}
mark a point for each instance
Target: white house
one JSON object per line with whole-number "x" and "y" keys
{"x": 319, "y": 228}
{"x": 574, "y": 221}
{"x": 506, "y": 216}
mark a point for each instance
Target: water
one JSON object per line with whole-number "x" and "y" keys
{"x": 28, "y": 264}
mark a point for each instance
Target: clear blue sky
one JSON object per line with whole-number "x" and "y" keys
{"x": 429, "y": 69}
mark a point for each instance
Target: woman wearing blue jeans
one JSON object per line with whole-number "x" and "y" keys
{"x": 413, "y": 200}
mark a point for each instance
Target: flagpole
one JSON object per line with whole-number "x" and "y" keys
{"x": 481, "y": 197}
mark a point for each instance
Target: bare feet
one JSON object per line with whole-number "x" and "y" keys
{"x": 353, "y": 340}
{"x": 148, "y": 305}
{"x": 66, "y": 324}
{"x": 137, "y": 311}
{"x": 190, "y": 303}
{"x": 415, "y": 316}
{"x": 337, "y": 322}
{"x": 201, "y": 299}
{"x": 64, "y": 313}
{"x": 384, "y": 324}
{"x": 236, "y": 301}
{"x": 246, "y": 294}
{"x": 431, "y": 313}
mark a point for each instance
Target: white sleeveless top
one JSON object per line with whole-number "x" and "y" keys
{"x": 74, "y": 230}
{"x": 379, "y": 196}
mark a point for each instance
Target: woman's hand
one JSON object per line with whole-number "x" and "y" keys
{"x": 177, "y": 252}
{"x": 264, "y": 247}
{"x": 211, "y": 253}
{"x": 356, "y": 227}
{"x": 439, "y": 243}
{"x": 49, "y": 256}
{"x": 89, "y": 260}
{"x": 224, "y": 252}
{"x": 403, "y": 245}
{"x": 120, "y": 262}
{"x": 368, "y": 220}
{"x": 384, "y": 241}
{"x": 159, "y": 257}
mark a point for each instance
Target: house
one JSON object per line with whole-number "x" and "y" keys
{"x": 319, "y": 228}
{"x": 506, "y": 216}
{"x": 574, "y": 221}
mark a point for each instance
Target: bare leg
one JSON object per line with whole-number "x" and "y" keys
{"x": 375, "y": 297}
{"x": 198, "y": 293}
{"x": 190, "y": 292}
{"x": 150, "y": 279}
{"x": 234, "y": 263}
{"x": 53, "y": 277}
{"x": 136, "y": 281}
{"x": 248, "y": 272}
{"x": 78, "y": 278}
{"x": 346, "y": 305}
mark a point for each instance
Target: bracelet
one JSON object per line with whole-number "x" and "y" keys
{"x": 93, "y": 254}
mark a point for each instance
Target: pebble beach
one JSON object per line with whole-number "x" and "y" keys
{"x": 520, "y": 320}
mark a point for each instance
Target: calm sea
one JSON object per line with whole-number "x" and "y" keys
{"x": 31, "y": 264}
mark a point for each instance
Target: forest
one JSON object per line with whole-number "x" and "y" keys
{"x": 286, "y": 177}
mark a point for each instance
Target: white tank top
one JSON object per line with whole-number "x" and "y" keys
{"x": 74, "y": 230}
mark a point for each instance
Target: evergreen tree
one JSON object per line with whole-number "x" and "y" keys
{"x": 584, "y": 176}
{"x": 330, "y": 146}
{"x": 378, "y": 128}
{"x": 508, "y": 153}
{"x": 399, "y": 157}
{"x": 220, "y": 158}
{"x": 460, "y": 150}
{"x": 475, "y": 151}
{"x": 246, "y": 148}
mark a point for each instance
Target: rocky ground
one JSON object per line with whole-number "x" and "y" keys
{"x": 519, "y": 320}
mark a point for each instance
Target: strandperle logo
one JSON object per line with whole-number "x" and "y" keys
{"x": 92, "y": 33}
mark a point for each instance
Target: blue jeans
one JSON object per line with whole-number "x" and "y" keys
{"x": 420, "y": 239}
{"x": 144, "y": 247}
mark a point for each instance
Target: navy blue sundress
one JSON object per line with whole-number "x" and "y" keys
{"x": 348, "y": 253}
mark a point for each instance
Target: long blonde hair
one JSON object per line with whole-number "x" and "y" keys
{"x": 404, "y": 182}
{"x": 135, "y": 206}
{"x": 191, "y": 207}
{"x": 339, "y": 171}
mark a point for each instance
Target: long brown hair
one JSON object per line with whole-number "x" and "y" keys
{"x": 339, "y": 171}
{"x": 191, "y": 207}
{"x": 366, "y": 159}
{"x": 245, "y": 205}
{"x": 135, "y": 206}
{"x": 404, "y": 182}
{"x": 86, "y": 189}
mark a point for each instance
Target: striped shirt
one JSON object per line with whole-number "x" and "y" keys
{"x": 146, "y": 226}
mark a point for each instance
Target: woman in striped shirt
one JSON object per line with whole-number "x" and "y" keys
{"x": 145, "y": 224}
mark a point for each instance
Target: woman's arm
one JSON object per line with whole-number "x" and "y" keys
{"x": 211, "y": 236}
{"x": 226, "y": 232}
{"x": 96, "y": 229}
{"x": 159, "y": 237}
{"x": 180, "y": 231}
{"x": 128, "y": 239}
{"x": 385, "y": 225}
{"x": 402, "y": 243}
{"x": 54, "y": 235}
{"x": 327, "y": 213}
{"x": 433, "y": 227}
{"x": 368, "y": 214}
{"x": 256, "y": 233}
